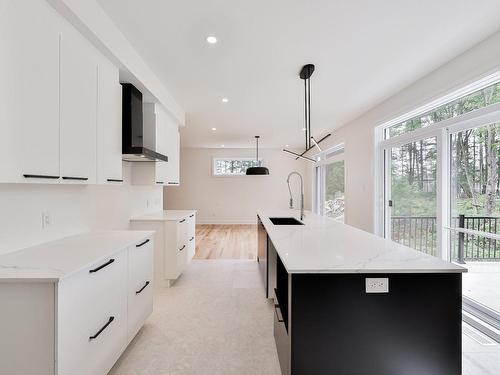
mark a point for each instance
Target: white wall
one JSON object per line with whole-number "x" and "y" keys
{"x": 359, "y": 135}
{"x": 233, "y": 200}
{"x": 72, "y": 209}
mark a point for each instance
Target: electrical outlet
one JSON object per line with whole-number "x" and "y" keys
{"x": 45, "y": 220}
{"x": 377, "y": 285}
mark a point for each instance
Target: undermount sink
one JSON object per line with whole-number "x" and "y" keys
{"x": 285, "y": 221}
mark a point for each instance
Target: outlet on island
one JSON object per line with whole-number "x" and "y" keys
{"x": 377, "y": 285}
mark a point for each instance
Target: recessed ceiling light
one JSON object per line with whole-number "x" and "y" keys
{"x": 221, "y": 145}
{"x": 211, "y": 39}
{"x": 303, "y": 129}
{"x": 287, "y": 145}
{"x": 225, "y": 100}
{"x": 214, "y": 129}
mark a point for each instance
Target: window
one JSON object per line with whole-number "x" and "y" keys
{"x": 233, "y": 166}
{"x": 330, "y": 184}
{"x": 476, "y": 100}
{"x": 440, "y": 189}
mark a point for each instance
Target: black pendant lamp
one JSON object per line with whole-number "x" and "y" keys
{"x": 253, "y": 171}
{"x": 305, "y": 74}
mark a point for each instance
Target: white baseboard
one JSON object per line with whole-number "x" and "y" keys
{"x": 227, "y": 222}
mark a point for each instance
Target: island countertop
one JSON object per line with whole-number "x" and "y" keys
{"x": 323, "y": 245}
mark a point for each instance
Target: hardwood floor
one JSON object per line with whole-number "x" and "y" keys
{"x": 216, "y": 241}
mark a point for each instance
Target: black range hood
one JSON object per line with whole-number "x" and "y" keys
{"x": 133, "y": 132}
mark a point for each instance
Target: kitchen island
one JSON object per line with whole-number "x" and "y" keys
{"x": 349, "y": 302}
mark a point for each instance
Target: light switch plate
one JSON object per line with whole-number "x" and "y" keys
{"x": 377, "y": 285}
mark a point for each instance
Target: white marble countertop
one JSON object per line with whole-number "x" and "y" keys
{"x": 55, "y": 260}
{"x": 324, "y": 245}
{"x": 166, "y": 215}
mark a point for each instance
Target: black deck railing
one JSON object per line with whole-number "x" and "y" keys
{"x": 419, "y": 232}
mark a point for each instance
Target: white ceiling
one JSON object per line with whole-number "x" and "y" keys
{"x": 364, "y": 52}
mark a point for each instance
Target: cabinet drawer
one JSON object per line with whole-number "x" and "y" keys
{"x": 191, "y": 220}
{"x": 92, "y": 317}
{"x": 182, "y": 258}
{"x": 282, "y": 341}
{"x": 182, "y": 232}
{"x": 191, "y": 247}
{"x": 140, "y": 286}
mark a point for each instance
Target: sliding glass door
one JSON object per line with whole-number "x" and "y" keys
{"x": 411, "y": 194}
{"x": 475, "y": 213}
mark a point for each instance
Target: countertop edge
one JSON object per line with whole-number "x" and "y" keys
{"x": 452, "y": 270}
{"x": 142, "y": 234}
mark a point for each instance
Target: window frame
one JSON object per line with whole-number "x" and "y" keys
{"x": 442, "y": 131}
{"x": 319, "y": 175}
{"x": 216, "y": 158}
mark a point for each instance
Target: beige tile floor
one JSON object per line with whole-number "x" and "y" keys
{"x": 215, "y": 321}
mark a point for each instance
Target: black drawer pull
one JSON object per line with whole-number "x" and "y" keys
{"x": 182, "y": 248}
{"x": 144, "y": 287}
{"x": 172, "y": 183}
{"x": 160, "y": 182}
{"x": 192, "y": 238}
{"x": 183, "y": 220}
{"x": 114, "y": 180}
{"x": 111, "y": 318}
{"x": 102, "y": 266}
{"x": 191, "y": 215}
{"x": 40, "y": 176}
{"x": 142, "y": 243}
{"x": 75, "y": 178}
{"x": 279, "y": 316}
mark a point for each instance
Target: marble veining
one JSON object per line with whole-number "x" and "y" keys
{"x": 324, "y": 245}
{"x": 55, "y": 260}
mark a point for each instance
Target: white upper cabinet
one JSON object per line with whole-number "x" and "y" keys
{"x": 174, "y": 161}
{"x": 78, "y": 98}
{"x": 109, "y": 124}
{"x": 29, "y": 92}
{"x": 165, "y": 140}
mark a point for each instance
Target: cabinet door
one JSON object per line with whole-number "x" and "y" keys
{"x": 92, "y": 317}
{"x": 78, "y": 108}
{"x": 140, "y": 288}
{"x": 109, "y": 124}
{"x": 174, "y": 162}
{"x": 161, "y": 139}
{"x": 29, "y": 91}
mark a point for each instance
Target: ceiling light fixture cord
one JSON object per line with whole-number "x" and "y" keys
{"x": 309, "y": 113}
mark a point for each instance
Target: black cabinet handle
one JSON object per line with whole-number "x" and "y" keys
{"x": 182, "y": 248}
{"x": 111, "y": 318}
{"x": 279, "y": 316}
{"x": 114, "y": 180}
{"x": 75, "y": 178}
{"x": 192, "y": 238}
{"x": 142, "y": 243}
{"x": 172, "y": 183}
{"x": 183, "y": 220}
{"x": 160, "y": 182}
{"x": 144, "y": 287}
{"x": 40, "y": 176}
{"x": 191, "y": 215}
{"x": 102, "y": 266}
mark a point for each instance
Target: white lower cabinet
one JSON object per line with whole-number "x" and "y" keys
{"x": 139, "y": 285}
{"x": 81, "y": 323}
{"x": 175, "y": 242}
{"x": 92, "y": 317}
